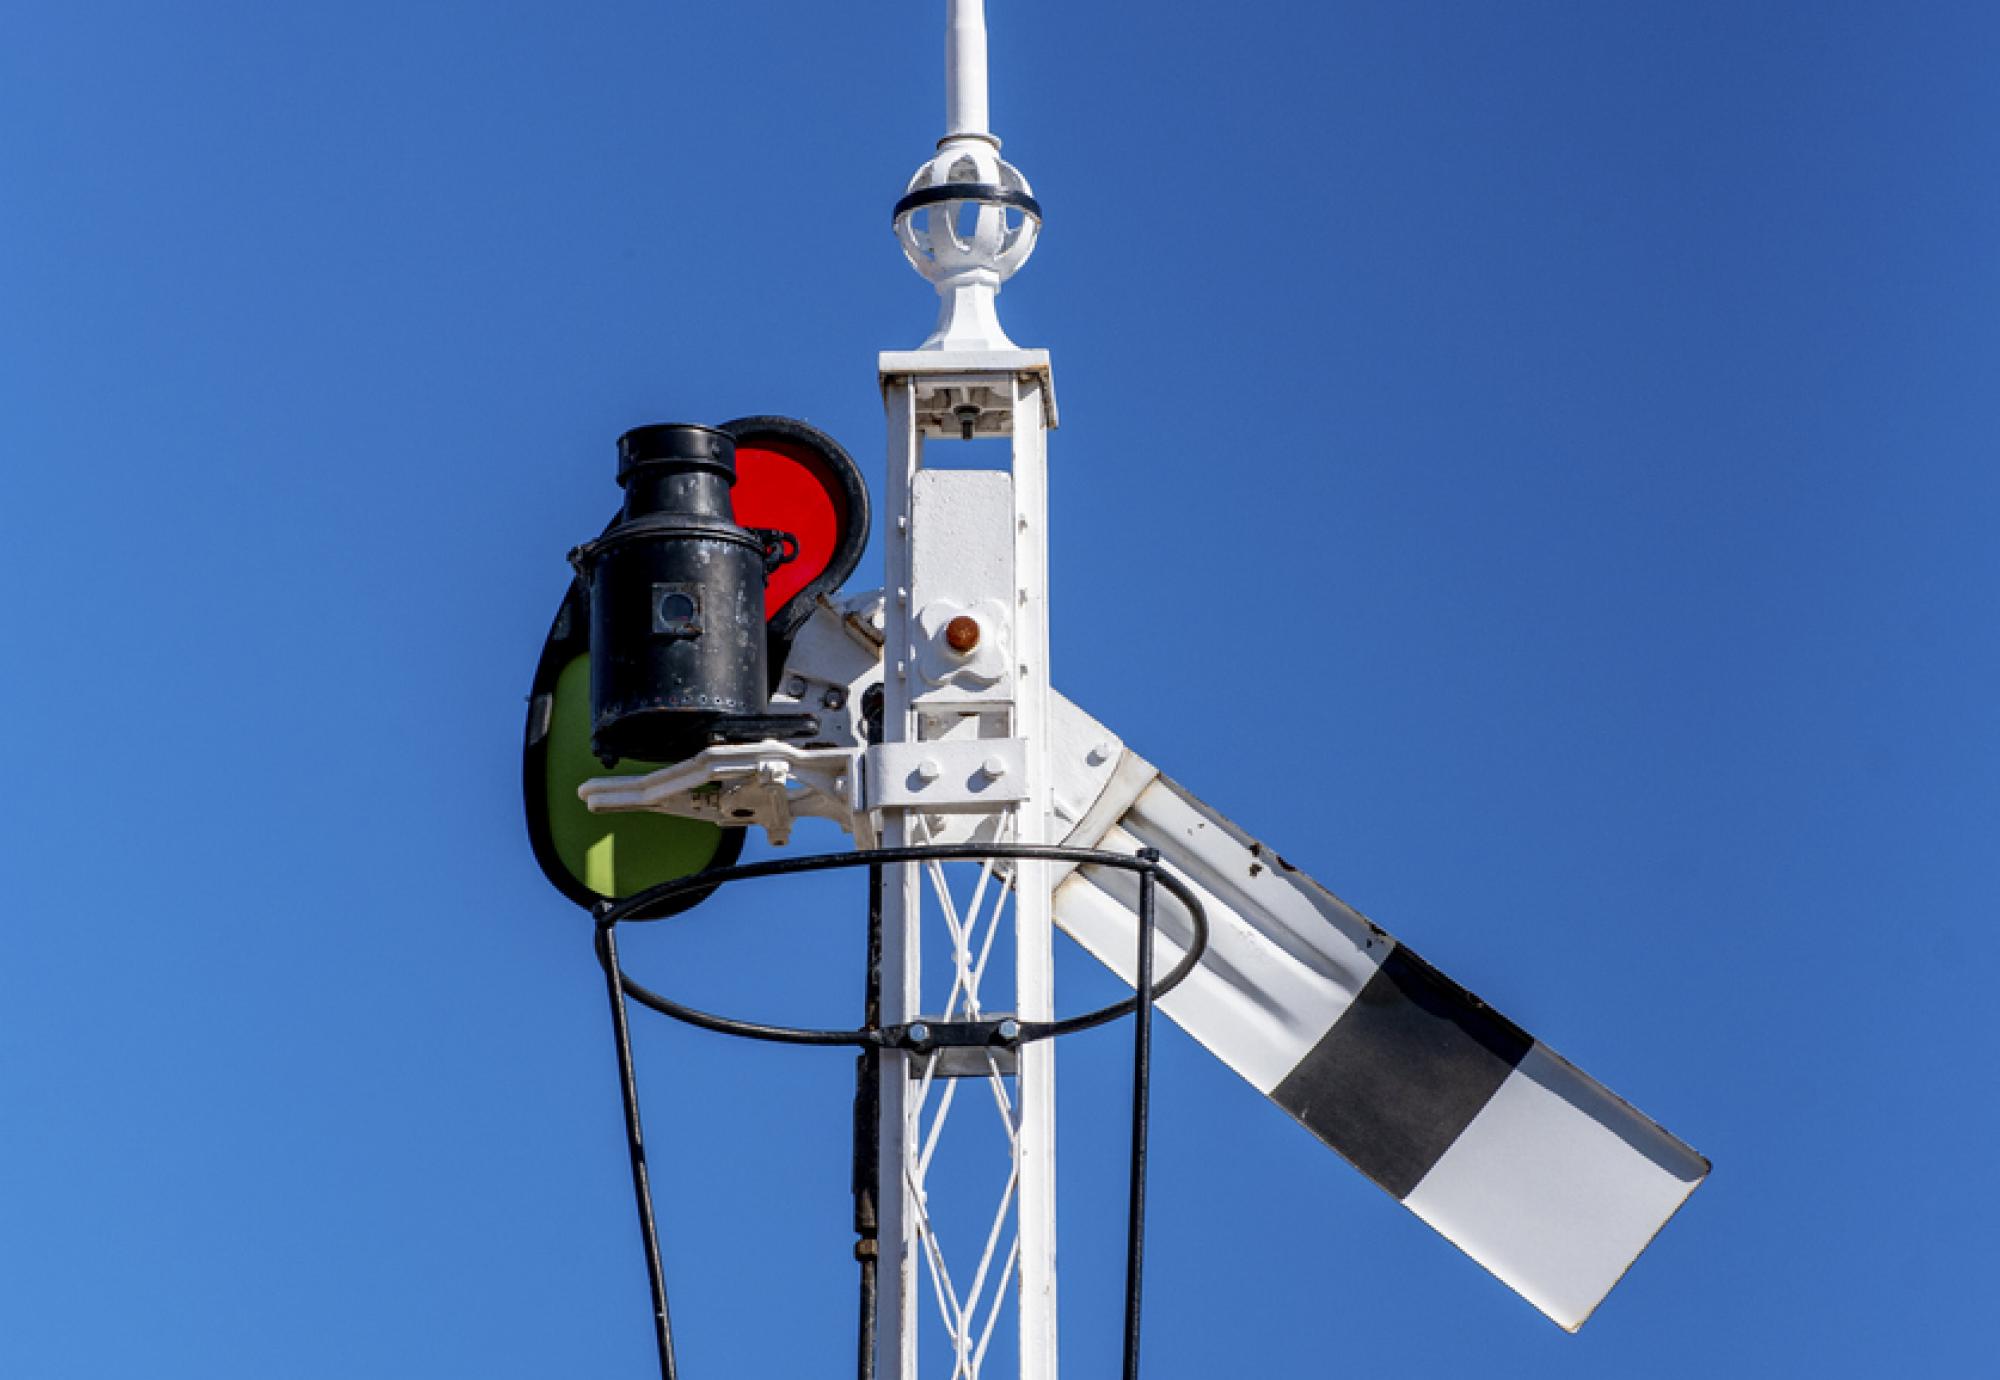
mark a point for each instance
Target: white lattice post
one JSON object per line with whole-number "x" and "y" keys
{"x": 1032, "y": 406}
{"x": 964, "y": 760}
{"x": 964, "y": 757}
{"x": 902, "y": 930}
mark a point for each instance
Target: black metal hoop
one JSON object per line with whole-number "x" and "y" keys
{"x": 985, "y": 193}
{"x": 660, "y": 902}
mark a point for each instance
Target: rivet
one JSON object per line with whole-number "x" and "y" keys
{"x": 929, "y": 770}
{"x": 994, "y": 767}
{"x": 961, "y": 634}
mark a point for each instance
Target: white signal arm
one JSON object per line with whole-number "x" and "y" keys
{"x": 1521, "y": 1160}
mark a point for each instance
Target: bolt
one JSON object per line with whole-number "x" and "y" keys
{"x": 994, "y": 767}
{"x": 928, "y": 770}
{"x": 919, "y": 1033}
{"x": 796, "y": 687}
{"x": 835, "y": 698}
{"x": 961, "y": 634}
{"x": 1099, "y": 754}
{"x": 1010, "y": 1031}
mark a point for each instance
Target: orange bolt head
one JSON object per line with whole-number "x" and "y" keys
{"x": 961, "y": 634}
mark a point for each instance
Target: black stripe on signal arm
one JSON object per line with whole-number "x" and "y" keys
{"x": 1403, "y": 1071}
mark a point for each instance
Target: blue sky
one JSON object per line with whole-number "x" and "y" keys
{"x": 1531, "y": 463}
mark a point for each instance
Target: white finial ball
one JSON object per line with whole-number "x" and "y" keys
{"x": 944, "y": 238}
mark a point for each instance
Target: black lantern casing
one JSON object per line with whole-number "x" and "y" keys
{"x": 677, "y": 635}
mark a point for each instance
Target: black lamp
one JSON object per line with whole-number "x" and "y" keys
{"x": 678, "y": 654}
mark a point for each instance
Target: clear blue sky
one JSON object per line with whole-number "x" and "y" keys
{"x": 1534, "y": 464}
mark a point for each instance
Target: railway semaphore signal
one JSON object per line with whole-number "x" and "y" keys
{"x": 706, "y": 674}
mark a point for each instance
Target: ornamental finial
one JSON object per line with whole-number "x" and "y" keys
{"x": 968, "y": 219}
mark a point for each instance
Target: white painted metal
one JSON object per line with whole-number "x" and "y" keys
{"x": 967, "y": 261}
{"x": 768, "y": 783}
{"x": 1285, "y": 956}
{"x": 964, "y": 757}
{"x": 1557, "y": 1186}
{"x": 971, "y": 386}
{"x": 974, "y": 774}
{"x": 1034, "y": 927}
{"x": 899, "y": 1209}
{"x": 966, "y": 735}
{"x": 965, "y": 68}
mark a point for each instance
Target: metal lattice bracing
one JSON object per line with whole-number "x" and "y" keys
{"x": 963, "y": 759}
{"x": 969, "y": 1309}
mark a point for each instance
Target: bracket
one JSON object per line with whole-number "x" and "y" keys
{"x": 947, "y": 379}
{"x": 976, "y": 773}
{"x": 769, "y": 784}
{"x": 960, "y": 1049}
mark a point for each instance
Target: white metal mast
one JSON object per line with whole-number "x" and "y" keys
{"x": 965, "y": 758}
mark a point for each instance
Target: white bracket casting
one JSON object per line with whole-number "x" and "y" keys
{"x": 769, "y": 784}
{"x": 975, "y": 773}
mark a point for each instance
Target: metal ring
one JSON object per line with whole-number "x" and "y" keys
{"x": 987, "y": 193}
{"x": 659, "y": 899}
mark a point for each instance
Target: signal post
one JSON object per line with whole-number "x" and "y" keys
{"x": 964, "y": 756}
